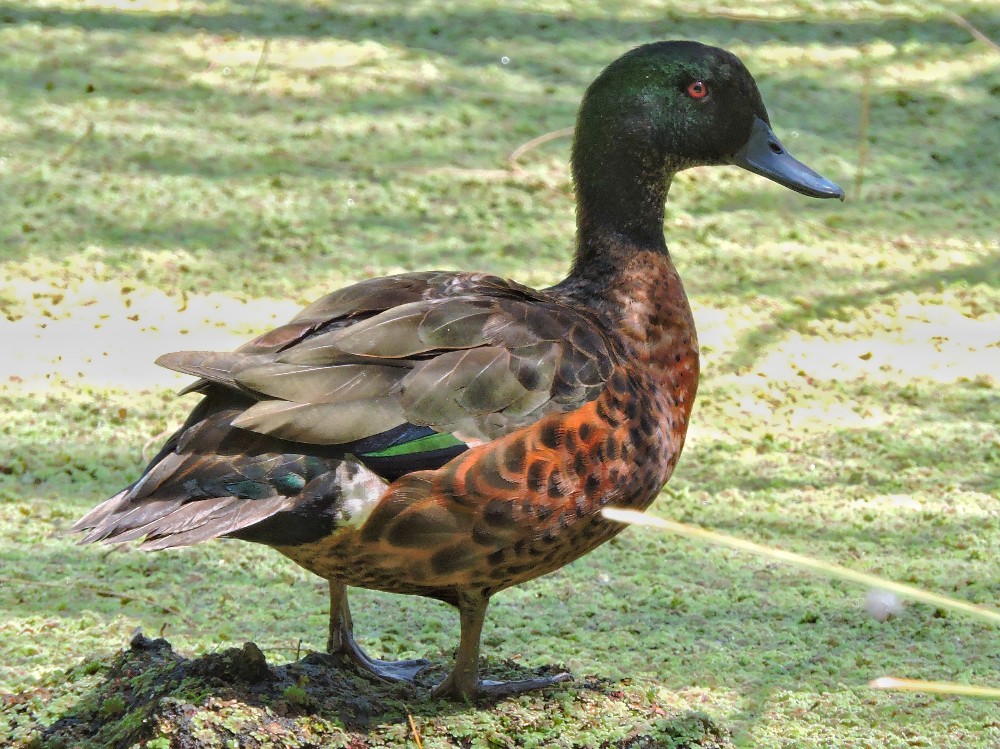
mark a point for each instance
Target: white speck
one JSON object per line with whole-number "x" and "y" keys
{"x": 505, "y": 60}
{"x": 350, "y": 202}
{"x": 882, "y": 604}
{"x": 795, "y": 134}
{"x": 226, "y": 71}
{"x": 884, "y": 682}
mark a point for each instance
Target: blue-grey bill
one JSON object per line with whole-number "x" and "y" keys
{"x": 763, "y": 154}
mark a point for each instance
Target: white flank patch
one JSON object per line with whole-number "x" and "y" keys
{"x": 361, "y": 493}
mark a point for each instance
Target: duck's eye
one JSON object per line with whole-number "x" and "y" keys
{"x": 697, "y": 90}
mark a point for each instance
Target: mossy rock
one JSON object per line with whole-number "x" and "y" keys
{"x": 150, "y": 696}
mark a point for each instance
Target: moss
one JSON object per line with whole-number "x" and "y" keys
{"x": 112, "y": 707}
{"x": 311, "y": 703}
{"x": 296, "y": 695}
{"x": 847, "y": 402}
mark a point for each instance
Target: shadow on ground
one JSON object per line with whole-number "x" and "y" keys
{"x": 151, "y": 695}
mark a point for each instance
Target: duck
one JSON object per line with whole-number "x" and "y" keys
{"x": 452, "y": 434}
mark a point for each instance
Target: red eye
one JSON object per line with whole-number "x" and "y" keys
{"x": 698, "y": 90}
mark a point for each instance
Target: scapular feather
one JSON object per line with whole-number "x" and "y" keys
{"x": 374, "y": 294}
{"x": 303, "y": 383}
{"x": 322, "y": 423}
{"x": 455, "y": 323}
{"x": 430, "y": 393}
{"x": 388, "y": 335}
{"x": 214, "y": 366}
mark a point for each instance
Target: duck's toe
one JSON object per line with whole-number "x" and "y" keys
{"x": 389, "y": 671}
{"x": 476, "y": 690}
{"x": 394, "y": 670}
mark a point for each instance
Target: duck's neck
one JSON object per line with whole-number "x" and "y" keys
{"x": 623, "y": 270}
{"x": 620, "y": 208}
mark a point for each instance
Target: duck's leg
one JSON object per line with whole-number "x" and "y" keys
{"x": 341, "y": 643}
{"x": 463, "y": 683}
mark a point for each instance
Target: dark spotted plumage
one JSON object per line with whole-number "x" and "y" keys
{"x": 453, "y": 434}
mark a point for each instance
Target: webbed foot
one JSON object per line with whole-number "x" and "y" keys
{"x": 386, "y": 670}
{"x": 475, "y": 690}
{"x": 342, "y": 645}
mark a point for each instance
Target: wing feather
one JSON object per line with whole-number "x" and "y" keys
{"x": 375, "y": 366}
{"x": 459, "y": 384}
{"x": 371, "y": 295}
{"x": 441, "y": 350}
{"x": 322, "y": 423}
{"x": 304, "y": 383}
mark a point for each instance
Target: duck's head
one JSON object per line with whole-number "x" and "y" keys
{"x": 668, "y": 106}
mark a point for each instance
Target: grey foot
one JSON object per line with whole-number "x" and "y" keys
{"x": 453, "y": 688}
{"x": 394, "y": 670}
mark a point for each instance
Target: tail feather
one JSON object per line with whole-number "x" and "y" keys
{"x": 231, "y": 518}
{"x": 212, "y": 479}
{"x": 177, "y": 519}
{"x": 157, "y": 474}
{"x": 95, "y": 517}
{"x": 111, "y": 527}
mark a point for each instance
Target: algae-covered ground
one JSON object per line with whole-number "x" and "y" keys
{"x": 181, "y": 174}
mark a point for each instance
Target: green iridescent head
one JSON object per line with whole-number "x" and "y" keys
{"x": 671, "y": 105}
